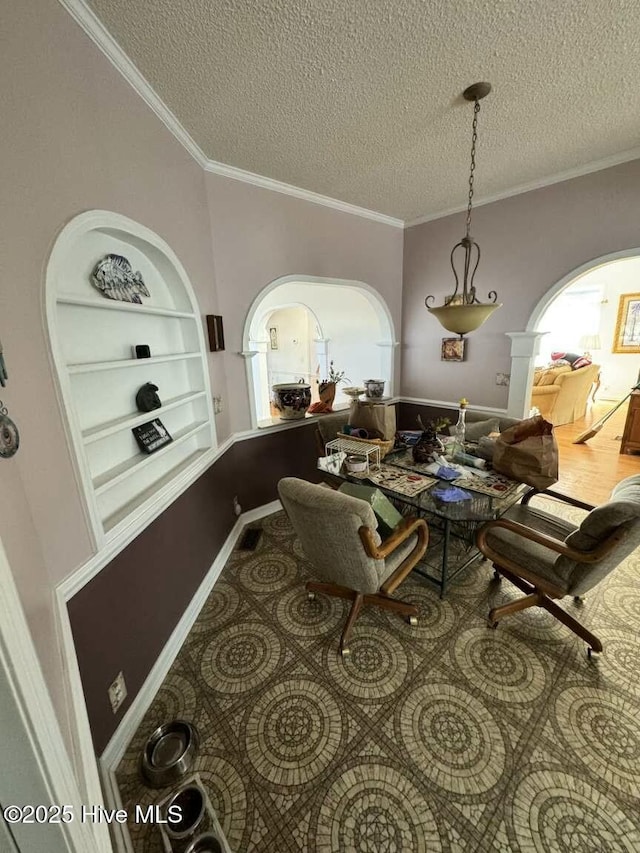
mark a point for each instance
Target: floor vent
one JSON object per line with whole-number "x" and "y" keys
{"x": 250, "y": 538}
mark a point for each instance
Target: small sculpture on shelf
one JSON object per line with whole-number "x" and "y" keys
{"x": 429, "y": 442}
{"x": 147, "y": 398}
{"x": 114, "y": 277}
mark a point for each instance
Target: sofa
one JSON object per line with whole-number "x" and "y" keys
{"x": 561, "y": 393}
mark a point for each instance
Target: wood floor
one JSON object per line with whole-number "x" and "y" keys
{"x": 589, "y": 471}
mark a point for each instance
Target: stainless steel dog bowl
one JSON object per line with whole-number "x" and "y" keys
{"x": 169, "y": 753}
{"x": 192, "y": 803}
{"x": 205, "y": 843}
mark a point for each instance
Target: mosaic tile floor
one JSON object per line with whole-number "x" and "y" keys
{"x": 446, "y": 737}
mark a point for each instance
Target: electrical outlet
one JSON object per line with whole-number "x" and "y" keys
{"x": 502, "y": 378}
{"x": 117, "y": 692}
{"x": 236, "y": 506}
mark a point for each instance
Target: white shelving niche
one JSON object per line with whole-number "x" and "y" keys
{"x": 92, "y": 339}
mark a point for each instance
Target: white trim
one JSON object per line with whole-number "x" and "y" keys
{"x": 559, "y": 177}
{"x": 85, "y": 760}
{"x": 19, "y": 660}
{"x": 81, "y": 576}
{"x": 116, "y": 748}
{"x": 444, "y": 404}
{"x": 237, "y": 174}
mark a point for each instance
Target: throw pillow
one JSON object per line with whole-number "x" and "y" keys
{"x": 386, "y": 514}
{"x": 474, "y": 431}
{"x": 549, "y": 376}
{"x": 583, "y": 361}
{"x": 569, "y": 357}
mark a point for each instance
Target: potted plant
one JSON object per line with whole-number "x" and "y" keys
{"x": 327, "y": 387}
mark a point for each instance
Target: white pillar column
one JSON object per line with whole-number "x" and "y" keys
{"x": 524, "y": 347}
{"x": 387, "y": 364}
{"x": 257, "y": 383}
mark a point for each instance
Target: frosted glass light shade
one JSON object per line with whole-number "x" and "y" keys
{"x": 461, "y": 319}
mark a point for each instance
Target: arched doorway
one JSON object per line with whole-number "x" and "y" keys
{"x": 315, "y": 321}
{"x": 611, "y": 275}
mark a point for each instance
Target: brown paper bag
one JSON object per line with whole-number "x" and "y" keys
{"x": 378, "y": 420}
{"x": 528, "y": 452}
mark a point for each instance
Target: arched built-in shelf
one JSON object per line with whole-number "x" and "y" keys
{"x": 91, "y": 341}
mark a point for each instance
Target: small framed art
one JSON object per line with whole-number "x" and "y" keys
{"x": 273, "y": 337}
{"x": 452, "y": 349}
{"x": 627, "y": 335}
{"x": 151, "y": 436}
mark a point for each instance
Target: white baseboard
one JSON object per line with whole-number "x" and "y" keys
{"x": 120, "y": 739}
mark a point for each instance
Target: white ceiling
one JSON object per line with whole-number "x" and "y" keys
{"x": 360, "y": 101}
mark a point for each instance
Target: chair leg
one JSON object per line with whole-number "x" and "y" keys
{"x": 351, "y": 618}
{"x": 380, "y": 599}
{"x": 544, "y": 601}
{"x": 571, "y": 623}
{"x": 535, "y": 599}
{"x": 331, "y": 589}
{"x": 394, "y": 604}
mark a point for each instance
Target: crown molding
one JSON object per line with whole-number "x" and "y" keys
{"x": 99, "y": 34}
{"x": 559, "y": 177}
{"x": 307, "y": 195}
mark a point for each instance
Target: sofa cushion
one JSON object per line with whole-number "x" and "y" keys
{"x": 549, "y": 375}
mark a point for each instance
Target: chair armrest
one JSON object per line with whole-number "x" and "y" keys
{"x": 556, "y": 545}
{"x": 406, "y": 528}
{"x": 545, "y": 390}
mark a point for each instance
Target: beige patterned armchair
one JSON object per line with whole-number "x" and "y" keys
{"x": 339, "y": 538}
{"x": 547, "y": 557}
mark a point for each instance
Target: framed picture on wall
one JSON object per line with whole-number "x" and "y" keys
{"x": 273, "y": 337}
{"x": 627, "y": 334}
{"x": 452, "y": 349}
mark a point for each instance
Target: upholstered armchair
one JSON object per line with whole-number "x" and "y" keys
{"x": 548, "y": 558}
{"x": 561, "y": 394}
{"x": 339, "y": 538}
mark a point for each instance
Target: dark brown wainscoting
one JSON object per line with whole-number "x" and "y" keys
{"x": 122, "y": 619}
{"x": 408, "y": 413}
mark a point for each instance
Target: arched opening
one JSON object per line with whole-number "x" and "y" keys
{"x": 297, "y": 325}
{"x": 579, "y": 314}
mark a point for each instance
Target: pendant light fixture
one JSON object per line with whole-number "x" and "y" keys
{"x": 462, "y": 312}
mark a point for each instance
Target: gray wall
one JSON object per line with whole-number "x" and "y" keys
{"x": 528, "y": 243}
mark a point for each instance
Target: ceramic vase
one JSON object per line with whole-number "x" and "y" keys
{"x": 374, "y": 387}
{"x": 291, "y": 400}
{"x": 327, "y": 392}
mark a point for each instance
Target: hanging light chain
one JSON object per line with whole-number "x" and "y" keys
{"x": 474, "y": 139}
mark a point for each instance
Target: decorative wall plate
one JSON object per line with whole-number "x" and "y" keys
{"x": 115, "y": 278}
{"x": 9, "y": 435}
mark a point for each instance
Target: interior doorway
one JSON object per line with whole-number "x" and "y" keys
{"x": 298, "y": 325}
{"x": 582, "y": 318}
{"x": 601, "y": 282}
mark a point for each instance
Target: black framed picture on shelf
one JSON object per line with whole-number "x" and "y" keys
{"x": 151, "y": 436}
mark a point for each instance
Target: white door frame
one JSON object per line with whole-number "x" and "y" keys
{"x": 38, "y": 759}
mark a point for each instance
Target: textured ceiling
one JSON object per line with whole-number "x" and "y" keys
{"x": 360, "y": 101}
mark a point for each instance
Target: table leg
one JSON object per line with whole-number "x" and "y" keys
{"x": 445, "y": 556}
